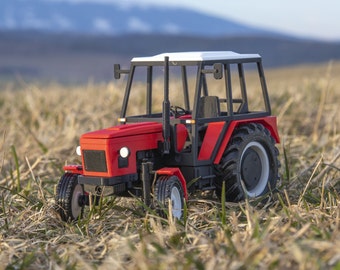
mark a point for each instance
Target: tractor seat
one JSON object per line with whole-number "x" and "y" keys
{"x": 209, "y": 107}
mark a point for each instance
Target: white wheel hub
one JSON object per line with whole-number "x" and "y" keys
{"x": 262, "y": 181}
{"x": 176, "y": 202}
{"x": 76, "y": 208}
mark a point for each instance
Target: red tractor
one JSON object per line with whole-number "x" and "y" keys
{"x": 202, "y": 129}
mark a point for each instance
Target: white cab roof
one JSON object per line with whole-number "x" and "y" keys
{"x": 196, "y": 56}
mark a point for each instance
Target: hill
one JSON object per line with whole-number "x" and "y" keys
{"x": 78, "y": 58}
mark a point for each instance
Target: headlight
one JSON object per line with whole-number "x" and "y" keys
{"x": 78, "y": 150}
{"x": 124, "y": 152}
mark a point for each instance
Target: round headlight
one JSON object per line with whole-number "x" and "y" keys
{"x": 78, "y": 150}
{"x": 124, "y": 152}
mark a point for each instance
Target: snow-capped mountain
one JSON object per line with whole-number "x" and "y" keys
{"x": 86, "y": 17}
{"x": 79, "y": 40}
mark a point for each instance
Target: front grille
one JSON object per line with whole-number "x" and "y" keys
{"x": 95, "y": 161}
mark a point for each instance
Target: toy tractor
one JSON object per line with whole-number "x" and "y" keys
{"x": 188, "y": 122}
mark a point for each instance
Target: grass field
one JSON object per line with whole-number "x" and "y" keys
{"x": 297, "y": 227}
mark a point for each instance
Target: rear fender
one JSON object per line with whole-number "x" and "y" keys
{"x": 178, "y": 173}
{"x": 268, "y": 122}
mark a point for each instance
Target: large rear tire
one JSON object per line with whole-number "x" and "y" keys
{"x": 249, "y": 166}
{"x": 70, "y": 199}
{"x": 169, "y": 189}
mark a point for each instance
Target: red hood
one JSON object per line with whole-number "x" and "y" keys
{"x": 125, "y": 130}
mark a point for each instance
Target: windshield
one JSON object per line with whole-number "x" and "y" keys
{"x": 143, "y": 101}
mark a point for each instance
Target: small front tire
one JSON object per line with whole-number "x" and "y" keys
{"x": 169, "y": 189}
{"x": 70, "y": 199}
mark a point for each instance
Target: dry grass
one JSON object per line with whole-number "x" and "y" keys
{"x": 296, "y": 228}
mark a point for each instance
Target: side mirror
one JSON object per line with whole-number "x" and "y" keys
{"x": 116, "y": 70}
{"x": 218, "y": 71}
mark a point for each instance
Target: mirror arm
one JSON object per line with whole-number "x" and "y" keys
{"x": 118, "y": 71}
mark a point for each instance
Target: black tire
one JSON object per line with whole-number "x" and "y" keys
{"x": 249, "y": 165}
{"x": 169, "y": 188}
{"x": 70, "y": 199}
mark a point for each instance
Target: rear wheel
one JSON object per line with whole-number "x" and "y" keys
{"x": 70, "y": 199}
{"x": 169, "y": 189}
{"x": 249, "y": 165}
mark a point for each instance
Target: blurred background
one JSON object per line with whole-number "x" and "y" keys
{"x": 76, "y": 41}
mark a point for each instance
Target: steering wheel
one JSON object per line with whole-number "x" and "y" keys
{"x": 178, "y": 111}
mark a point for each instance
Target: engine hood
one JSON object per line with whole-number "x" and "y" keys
{"x": 124, "y": 130}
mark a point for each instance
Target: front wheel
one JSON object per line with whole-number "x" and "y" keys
{"x": 249, "y": 165}
{"x": 70, "y": 199}
{"x": 169, "y": 189}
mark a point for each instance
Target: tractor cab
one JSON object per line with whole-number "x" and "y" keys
{"x": 191, "y": 93}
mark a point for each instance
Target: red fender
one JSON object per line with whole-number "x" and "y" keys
{"x": 177, "y": 172}
{"x": 269, "y": 122}
{"x": 76, "y": 169}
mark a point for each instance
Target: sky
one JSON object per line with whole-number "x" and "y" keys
{"x": 305, "y": 18}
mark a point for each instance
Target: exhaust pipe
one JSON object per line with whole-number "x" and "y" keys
{"x": 166, "y": 108}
